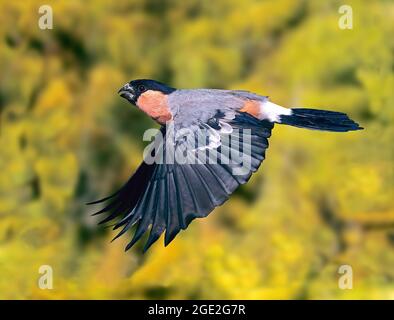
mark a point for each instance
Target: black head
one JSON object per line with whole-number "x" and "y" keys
{"x": 133, "y": 89}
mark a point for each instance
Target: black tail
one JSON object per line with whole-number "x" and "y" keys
{"x": 320, "y": 120}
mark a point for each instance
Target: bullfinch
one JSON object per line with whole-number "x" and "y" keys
{"x": 166, "y": 193}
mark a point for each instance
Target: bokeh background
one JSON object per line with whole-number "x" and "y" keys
{"x": 319, "y": 201}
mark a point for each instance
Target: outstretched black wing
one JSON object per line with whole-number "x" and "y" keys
{"x": 168, "y": 195}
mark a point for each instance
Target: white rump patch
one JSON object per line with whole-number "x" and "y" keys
{"x": 272, "y": 112}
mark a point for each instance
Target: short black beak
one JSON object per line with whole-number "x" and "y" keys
{"x": 127, "y": 92}
{"x": 127, "y": 88}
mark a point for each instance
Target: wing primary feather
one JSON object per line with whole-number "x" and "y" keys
{"x": 179, "y": 208}
{"x": 155, "y": 231}
{"x": 125, "y": 228}
{"x": 213, "y": 187}
{"x": 179, "y": 199}
{"x": 105, "y": 209}
{"x": 117, "y": 211}
{"x": 191, "y": 209}
{"x": 103, "y": 199}
{"x": 173, "y": 218}
{"x": 212, "y": 169}
{"x": 203, "y": 199}
{"x": 147, "y": 216}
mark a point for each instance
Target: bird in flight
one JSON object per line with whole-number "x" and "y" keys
{"x": 229, "y": 132}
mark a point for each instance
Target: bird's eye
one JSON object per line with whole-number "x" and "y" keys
{"x": 141, "y": 88}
